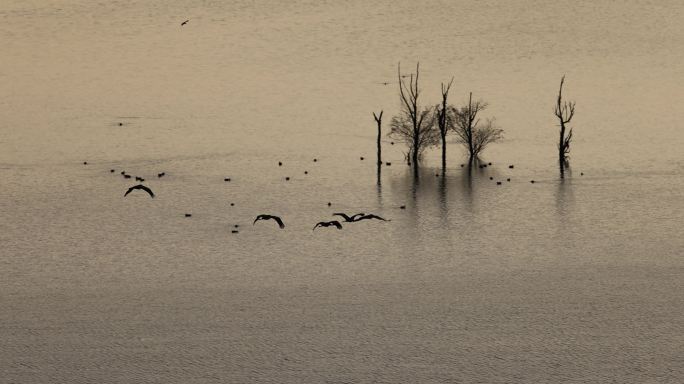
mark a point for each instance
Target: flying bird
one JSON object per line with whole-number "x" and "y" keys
{"x": 185, "y": 22}
{"x": 347, "y": 218}
{"x": 371, "y": 216}
{"x": 139, "y": 186}
{"x": 270, "y": 217}
{"x": 328, "y": 224}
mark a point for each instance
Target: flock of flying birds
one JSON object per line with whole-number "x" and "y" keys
{"x": 322, "y": 224}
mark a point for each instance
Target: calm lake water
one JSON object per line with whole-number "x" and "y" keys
{"x": 575, "y": 280}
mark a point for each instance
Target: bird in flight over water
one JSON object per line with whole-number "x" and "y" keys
{"x": 270, "y": 217}
{"x": 139, "y": 186}
{"x": 334, "y": 223}
{"x": 185, "y": 22}
{"x": 347, "y": 218}
{"x": 371, "y": 216}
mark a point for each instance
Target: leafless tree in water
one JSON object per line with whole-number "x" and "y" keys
{"x": 474, "y": 134}
{"x": 444, "y": 120}
{"x": 564, "y": 111}
{"x": 378, "y": 121}
{"x": 414, "y": 125}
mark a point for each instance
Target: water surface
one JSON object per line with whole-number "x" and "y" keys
{"x": 573, "y": 280}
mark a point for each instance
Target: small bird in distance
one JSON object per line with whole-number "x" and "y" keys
{"x": 141, "y": 187}
{"x": 370, "y": 216}
{"x": 270, "y": 217}
{"x": 185, "y": 22}
{"x": 347, "y": 218}
{"x": 333, "y": 223}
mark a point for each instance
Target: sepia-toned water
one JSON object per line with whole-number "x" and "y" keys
{"x": 579, "y": 280}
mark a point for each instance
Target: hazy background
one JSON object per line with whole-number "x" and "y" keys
{"x": 574, "y": 281}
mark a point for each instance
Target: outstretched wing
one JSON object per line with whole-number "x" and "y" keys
{"x": 343, "y": 215}
{"x": 146, "y": 189}
{"x": 357, "y": 216}
{"x": 336, "y": 223}
{"x": 372, "y": 216}
{"x": 316, "y": 226}
{"x": 260, "y": 217}
{"x": 279, "y": 221}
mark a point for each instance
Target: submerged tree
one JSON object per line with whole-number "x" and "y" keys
{"x": 413, "y": 125}
{"x": 378, "y": 120}
{"x": 443, "y": 120}
{"x": 564, "y": 111}
{"x": 472, "y": 133}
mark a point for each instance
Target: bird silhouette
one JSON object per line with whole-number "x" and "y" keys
{"x": 139, "y": 186}
{"x": 270, "y": 217}
{"x": 347, "y": 218}
{"x": 185, "y": 22}
{"x": 371, "y": 216}
{"x": 328, "y": 224}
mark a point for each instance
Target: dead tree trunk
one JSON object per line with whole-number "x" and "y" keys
{"x": 409, "y": 97}
{"x": 469, "y": 130}
{"x": 442, "y": 121}
{"x": 378, "y": 120}
{"x": 564, "y": 111}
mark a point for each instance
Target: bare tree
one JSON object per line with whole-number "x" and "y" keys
{"x": 413, "y": 125}
{"x": 564, "y": 111}
{"x": 443, "y": 120}
{"x": 473, "y": 134}
{"x": 378, "y": 120}
{"x": 485, "y": 134}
